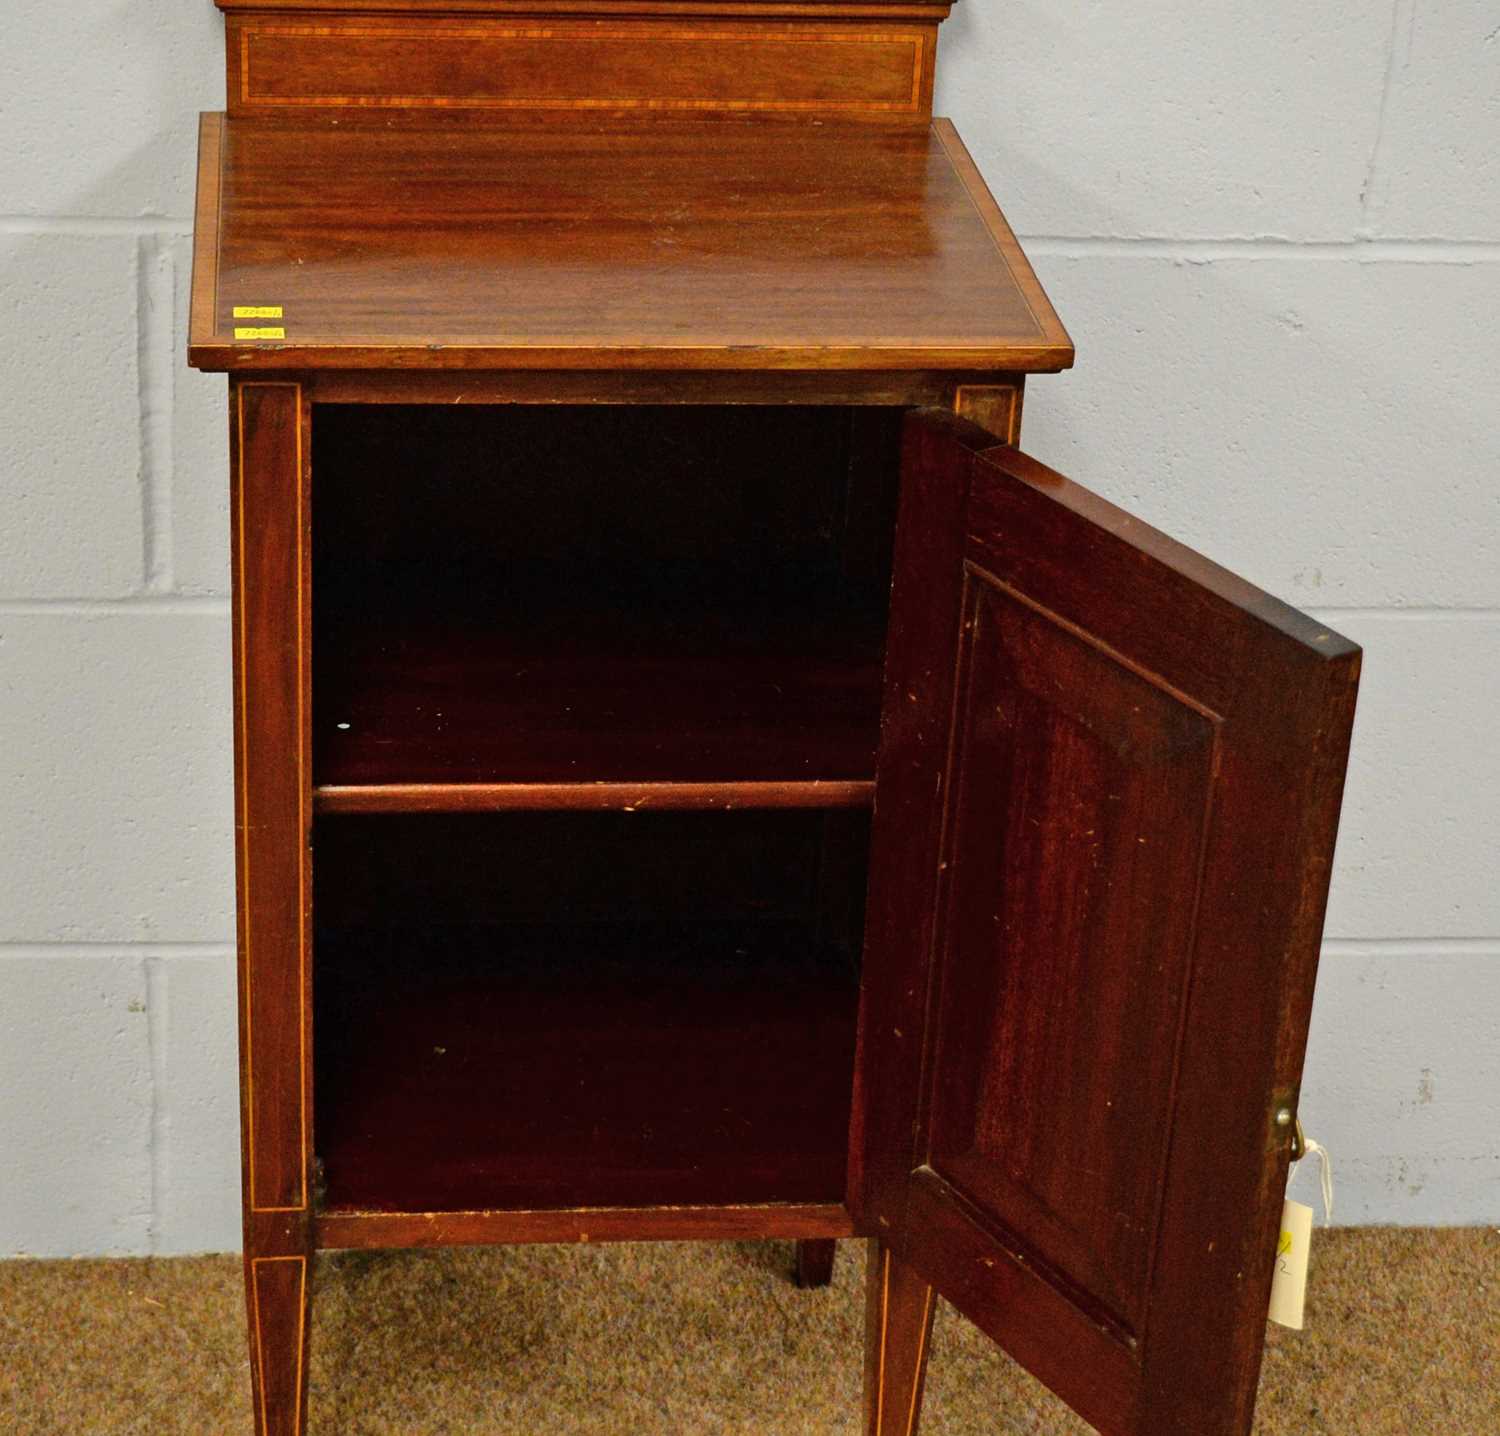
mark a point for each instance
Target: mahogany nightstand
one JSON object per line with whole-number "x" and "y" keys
{"x": 695, "y": 778}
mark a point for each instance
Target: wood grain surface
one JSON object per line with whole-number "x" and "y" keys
{"x": 581, "y": 70}
{"x": 269, "y": 453}
{"x": 760, "y": 9}
{"x": 807, "y": 1222}
{"x": 1106, "y": 805}
{"x": 270, "y": 449}
{"x": 398, "y": 243}
{"x": 601, "y": 1065}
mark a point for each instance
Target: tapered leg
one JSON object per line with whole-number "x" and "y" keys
{"x": 279, "y": 1291}
{"x": 898, "y": 1323}
{"x": 273, "y": 803}
{"x": 815, "y": 1261}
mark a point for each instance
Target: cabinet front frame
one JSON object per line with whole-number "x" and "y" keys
{"x": 270, "y": 443}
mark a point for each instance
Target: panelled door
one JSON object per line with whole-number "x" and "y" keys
{"x": 1105, "y": 812}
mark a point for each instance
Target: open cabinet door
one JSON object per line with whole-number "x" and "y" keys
{"x": 1105, "y": 811}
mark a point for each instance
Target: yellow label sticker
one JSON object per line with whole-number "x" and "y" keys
{"x": 257, "y": 311}
{"x": 276, "y": 333}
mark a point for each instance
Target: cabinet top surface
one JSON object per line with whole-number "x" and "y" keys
{"x": 393, "y": 244}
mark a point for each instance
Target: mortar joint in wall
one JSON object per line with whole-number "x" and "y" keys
{"x": 154, "y": 325}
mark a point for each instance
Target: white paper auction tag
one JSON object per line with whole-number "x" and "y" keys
{"x": 1289, "y": 1285}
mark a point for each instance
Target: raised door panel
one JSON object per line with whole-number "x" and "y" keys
{"x": 1089, "y": 786}
{"x": 1105, "y": 814}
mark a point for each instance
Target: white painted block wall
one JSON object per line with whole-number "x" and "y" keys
{"x": 1274, "y": 232}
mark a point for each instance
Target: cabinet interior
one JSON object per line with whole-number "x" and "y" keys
{"x": 585, "y": 594}
{"x": 550, "y": 1005}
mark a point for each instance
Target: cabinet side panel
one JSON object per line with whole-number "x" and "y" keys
{"x": 272, "y": 792}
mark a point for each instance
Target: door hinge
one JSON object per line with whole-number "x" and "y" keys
{"x": 1287, "y": 1126}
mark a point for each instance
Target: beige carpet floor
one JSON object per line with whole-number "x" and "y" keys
{"x": 1403, "y": 1337}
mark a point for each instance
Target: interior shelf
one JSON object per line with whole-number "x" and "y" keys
{"x": 600, "y": 709}
{"x": 600, "y": 1064}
